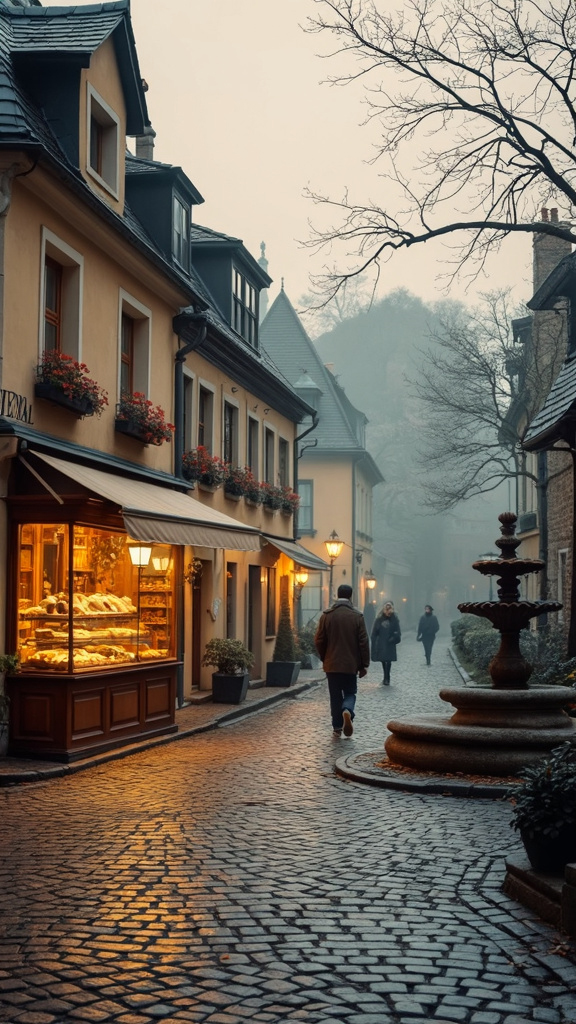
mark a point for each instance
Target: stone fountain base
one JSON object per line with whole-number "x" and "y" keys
{"x": 492, "y": 732}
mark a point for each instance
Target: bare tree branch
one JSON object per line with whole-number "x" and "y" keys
{"x": 475, "y": 106}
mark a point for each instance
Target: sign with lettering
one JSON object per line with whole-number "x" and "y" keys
{"x": 15, "y": 407}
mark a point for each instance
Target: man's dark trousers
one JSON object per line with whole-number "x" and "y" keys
{"x": 343, "y": 687}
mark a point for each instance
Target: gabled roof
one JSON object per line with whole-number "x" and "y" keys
{"x": 204, "y": 239}
{"x": 137, "y": 167}
{"x": 284, "y": 338}
{"x": 556, "y": 420}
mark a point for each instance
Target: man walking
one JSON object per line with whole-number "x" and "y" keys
{"x": 342, "y": 643}
{"x": 427, "y": 629}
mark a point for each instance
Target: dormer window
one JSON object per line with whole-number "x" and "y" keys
{"x": 103, "y": 142}
{"x": 245, "y": 309}
{"x": 181, "y": 233}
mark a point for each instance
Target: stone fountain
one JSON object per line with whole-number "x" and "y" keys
{"x": 499, "y": 729}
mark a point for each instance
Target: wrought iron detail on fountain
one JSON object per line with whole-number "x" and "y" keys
{"x": 497, "y": 729}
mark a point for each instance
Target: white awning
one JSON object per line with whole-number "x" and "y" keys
{"x": 160, "y": 515}
{"x": 299, "y": 554}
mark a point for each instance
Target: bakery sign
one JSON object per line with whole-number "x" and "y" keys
{"x": 15, "y": 407}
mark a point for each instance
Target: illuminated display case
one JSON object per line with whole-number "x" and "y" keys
{"x": 92, "y": 599}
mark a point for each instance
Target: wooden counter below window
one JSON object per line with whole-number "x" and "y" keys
{"x": 57, "y": 717}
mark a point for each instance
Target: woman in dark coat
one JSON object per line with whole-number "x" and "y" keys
{"x": 385, "y": 637}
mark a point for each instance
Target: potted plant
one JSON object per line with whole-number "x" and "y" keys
{"x": 235, "y": 479}
{"x": 271, "y": 496}
{"x": 138, "y": 417}
{"x": 64, "y": 381}
{"x": 8, "y": 663}
{"x": 199, "y": 466}
{"x": 290, "y": 501}
{"x": 252, "y": 489}
{"x": 231, "y": 660}
{"x": 305, "y": 647}
{"x": 284, "y": 668}
{"x": 544, "y": 810}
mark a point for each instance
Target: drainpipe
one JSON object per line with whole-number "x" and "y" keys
{"x": 315, "y": 421}
{"x": 190, "y": 346}
{"x": 180, "y": 358}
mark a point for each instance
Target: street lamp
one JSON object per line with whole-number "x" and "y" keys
{"x": 370, "y": 580}
{"x": 300, "y": 580}
{"x": 334, "y": 547}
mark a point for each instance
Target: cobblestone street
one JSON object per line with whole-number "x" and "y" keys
{"x": 232, "y": 876}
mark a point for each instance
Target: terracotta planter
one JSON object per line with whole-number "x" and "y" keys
{"x": 134, "y": 430}
{"x": 51, "y": 393}
{"x": 229, "y": 689}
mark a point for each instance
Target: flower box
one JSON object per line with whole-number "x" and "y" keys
{"x": 131, "y": 429}
{"x": 207, "y": 488}
{"x": 137, "y": 417}
{"x": 52, "y": 393}
{"x": 231, "y": 495}
{"x": 65, "y": 382}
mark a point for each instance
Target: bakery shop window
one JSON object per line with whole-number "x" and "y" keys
{"x": 92, "y": 599}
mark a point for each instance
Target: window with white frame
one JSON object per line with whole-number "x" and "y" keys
{"x": 283, "y": 462}
{"x": 61, "y": 297}
{"x": 103, "y": 142}
{"x": 305, "y": 510}
{"x": 244, "y": 308}
{"x": 205, "y": 417}
{"x": 230, "y": 434}
{"x": 134, "y": 333}
{"x": 188, "y": 410}
{"x": 181, "y": 232}
{"x": 253, "y": 447}
{"x": 269, "y": 463}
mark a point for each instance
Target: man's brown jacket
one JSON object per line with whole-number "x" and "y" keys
{"x": 341, "y": 639}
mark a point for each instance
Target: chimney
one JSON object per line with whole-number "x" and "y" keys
{"x": 547, "y": 250}
{"x": 145, "y": 143}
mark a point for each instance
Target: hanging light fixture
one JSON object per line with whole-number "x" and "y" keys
{"x": 370, "y": 580}
{"x": 139, "y": 553}
{"x": 301, "y": 577}
{"x": 334, "y": 548}
{"x": 161, "y": 562}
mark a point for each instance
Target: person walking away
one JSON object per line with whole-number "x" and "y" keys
{"x": 427, "y": 629}
{"x": 342, "y": 643}
{"x": 386, "y": 636}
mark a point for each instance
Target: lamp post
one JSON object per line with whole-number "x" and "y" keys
{"x": 487, "y": 557}
{"x": 300, "y": 580}
{"x": 139, "y": 556}
{"x": 334, "y": 547}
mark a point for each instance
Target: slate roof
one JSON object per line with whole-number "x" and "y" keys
{"x": 284, "y": 338}
{"x": 557, "y": 418}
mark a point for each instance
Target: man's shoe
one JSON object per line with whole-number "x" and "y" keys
{"x": 348, "y": 727}
{"x": 337, "y": 733}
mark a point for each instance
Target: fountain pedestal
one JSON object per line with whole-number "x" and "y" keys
{"x": 500, "y": 729}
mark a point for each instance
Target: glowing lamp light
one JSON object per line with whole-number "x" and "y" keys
{"x": 300, "y": 577}
{"x": 139, "y": 553}
{"x": 334, "y": 545}
{"x": 370, "y": 580}
{"x": 161, "y": 562}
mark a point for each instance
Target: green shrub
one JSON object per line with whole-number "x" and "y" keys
{"x": 285, "y": 646}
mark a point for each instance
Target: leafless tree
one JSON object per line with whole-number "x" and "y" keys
{"x": 480, "y": 384}
{"x": 474, "y": 101}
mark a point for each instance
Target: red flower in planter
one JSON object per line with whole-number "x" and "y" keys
{"x": 67, "y": 375}
{"x": 148, "y": 418}
{"x": 199, "y": 464}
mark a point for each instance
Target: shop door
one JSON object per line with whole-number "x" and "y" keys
{"x": 255, "y": 619}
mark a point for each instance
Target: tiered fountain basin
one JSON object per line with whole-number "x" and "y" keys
{"x": 500, "y": 729}
{"x": 492, "y": 732}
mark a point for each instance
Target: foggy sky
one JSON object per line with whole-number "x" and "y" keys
{"x": 236, "y": 99}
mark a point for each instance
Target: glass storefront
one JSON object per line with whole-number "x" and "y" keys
{"x": 91, "y": 598}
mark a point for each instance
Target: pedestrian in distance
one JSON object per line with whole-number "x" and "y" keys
{"x": 427, "y": 629}
{"x": 386, "y": 636}
{"x": 342, "y": 643}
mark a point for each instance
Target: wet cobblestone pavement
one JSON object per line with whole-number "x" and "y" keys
{"x": 233, "y": 876}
